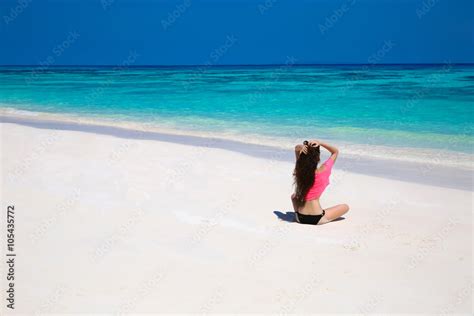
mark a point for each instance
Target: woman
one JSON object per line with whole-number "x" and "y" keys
{"x": 311, "y": 181}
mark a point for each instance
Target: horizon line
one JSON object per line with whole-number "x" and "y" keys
{"x": 236, "y": 65}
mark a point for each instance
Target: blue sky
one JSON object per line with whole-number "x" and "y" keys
{"x": 139, "y": 32}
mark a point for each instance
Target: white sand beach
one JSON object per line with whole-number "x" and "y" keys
{"x": 114, "y": 224}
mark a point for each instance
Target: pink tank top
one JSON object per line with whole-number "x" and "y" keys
{"x": 321, "y": 181}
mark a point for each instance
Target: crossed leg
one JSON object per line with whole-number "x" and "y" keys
{"x": 333, "y": 213}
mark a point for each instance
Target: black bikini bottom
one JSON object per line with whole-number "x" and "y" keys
{"x": 309, "y": 219}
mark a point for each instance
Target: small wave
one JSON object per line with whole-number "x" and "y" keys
{"x": 20, "y": 112}
{"x": 430, "y": 156}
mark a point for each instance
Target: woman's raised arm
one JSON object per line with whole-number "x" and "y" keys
{"x": 298, "y": 149}
{"x": 332, "y": 149}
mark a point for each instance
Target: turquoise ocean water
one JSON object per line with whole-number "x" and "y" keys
{"x": 416, "y": 109}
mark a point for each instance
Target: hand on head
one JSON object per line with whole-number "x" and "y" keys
{"x": 314, "y": 143}
{"x": 306, "y": 144}
{"x": 304, "y": 149}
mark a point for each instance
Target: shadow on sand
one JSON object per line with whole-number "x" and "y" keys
{"x": 290, "y": 217}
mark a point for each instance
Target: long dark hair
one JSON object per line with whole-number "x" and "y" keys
{"x": 304, "y": 174}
